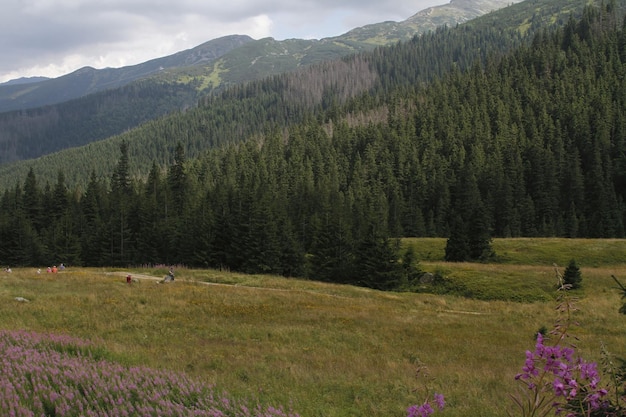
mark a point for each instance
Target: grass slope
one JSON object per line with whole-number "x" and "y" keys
{"x": 329, "y": 350}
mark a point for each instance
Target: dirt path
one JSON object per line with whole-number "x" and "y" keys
{"x": 153, "y": 278}
{"x": 159, "y": 280}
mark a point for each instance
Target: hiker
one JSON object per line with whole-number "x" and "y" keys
{"x": 129, "y": 279}
{"x": 169, "y": 277}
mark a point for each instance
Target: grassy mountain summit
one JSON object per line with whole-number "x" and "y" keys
{"x": 451, "y": 14}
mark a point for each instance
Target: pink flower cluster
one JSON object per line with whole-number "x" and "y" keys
{"x": 58, "y": 375}
{"x": 426, "y": 409}
{"x": 574, "y": 379}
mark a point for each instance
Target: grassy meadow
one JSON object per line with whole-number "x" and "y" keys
{"x": 333, "y": 350}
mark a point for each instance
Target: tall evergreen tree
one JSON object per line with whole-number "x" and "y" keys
{"x": 94, "y": 206}
{"x": 118, "y": 222}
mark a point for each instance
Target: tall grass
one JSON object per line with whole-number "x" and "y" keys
{"x": 323, "y": 349}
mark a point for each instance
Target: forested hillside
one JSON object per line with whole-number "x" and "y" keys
{"x": 242, "y": 112}
{"x": 28, "y": 134}
{"x": 71, "y": 111}
{"x": 529, "y": 143}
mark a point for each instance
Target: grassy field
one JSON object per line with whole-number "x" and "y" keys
{"x": 332, "y": 350}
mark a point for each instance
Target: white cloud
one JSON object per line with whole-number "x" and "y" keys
{"x": 55, "y": 37}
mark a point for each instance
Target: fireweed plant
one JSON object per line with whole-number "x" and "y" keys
{"x": 555, "y": 378}
{"x": 53, "y": 375}
{"x": 429, "y": 405}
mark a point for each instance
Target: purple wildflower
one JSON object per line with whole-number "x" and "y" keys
{"x": 439, "y": 400}
{"x": 426, "y": 410}
{"x": 57, "y": 374}
{"x": 572, "y": 376}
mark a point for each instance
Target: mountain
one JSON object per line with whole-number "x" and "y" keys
{"x": 107, "y": 102}
{"x": 87, "y": 80}
{"x": 241, "y": 111}
{"x": 451, "y": 14}
{"x": 281, "y": 55}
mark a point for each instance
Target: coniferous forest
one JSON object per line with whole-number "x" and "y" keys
{"x": 527, "y": 143}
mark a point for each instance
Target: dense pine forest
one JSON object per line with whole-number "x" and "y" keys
{"x": 527, "y": 143}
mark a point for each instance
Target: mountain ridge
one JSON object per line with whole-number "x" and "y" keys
{"x": 176, "y": 83}
{"x": 87, "y": 80}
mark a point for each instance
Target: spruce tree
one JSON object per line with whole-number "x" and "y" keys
{"x": 457, "y": 245}
{"x": 572, "y": 276}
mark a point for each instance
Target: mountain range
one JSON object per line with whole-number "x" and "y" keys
{"x": 270, "y": 55}
{"x": 151, "y": 90}
{"x": 39, "y": 117}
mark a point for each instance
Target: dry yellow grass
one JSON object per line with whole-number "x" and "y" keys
{"x": 328, "y": 350}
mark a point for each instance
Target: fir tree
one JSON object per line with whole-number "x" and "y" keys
{"x": 572, "y": 276}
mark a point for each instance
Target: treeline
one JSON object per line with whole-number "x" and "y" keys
{"x": 530, "y": 144}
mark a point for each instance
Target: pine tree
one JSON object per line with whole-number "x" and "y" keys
{"x": 119, "y": 231}
{"x": 572, "y": 277}
{"x": 457, "y": 246}
{"x": 376, "y": 263}
{"x": 94, "y": 205}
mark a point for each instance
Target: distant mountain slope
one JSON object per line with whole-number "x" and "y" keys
{"x": 269, "y": 55}
{"x": 139, "y": 93}
{"x": 24, "y": 80}
{"x": 87, "y": 80}
{"x": 246, "y": 110}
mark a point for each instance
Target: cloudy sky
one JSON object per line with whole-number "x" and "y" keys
{"x": 55, "y": 37}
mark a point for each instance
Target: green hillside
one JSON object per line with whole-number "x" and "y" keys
{"x": 285, "y": 98}
{"x": 76, "y": 112}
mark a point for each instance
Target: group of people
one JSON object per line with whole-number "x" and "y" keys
{"x": 53, "y": 269}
